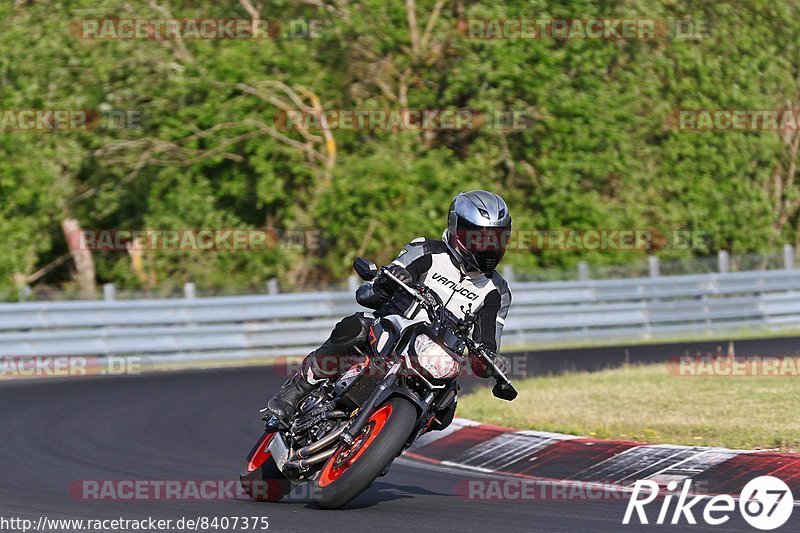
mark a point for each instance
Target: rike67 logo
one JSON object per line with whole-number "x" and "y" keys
{"x": 766, "y": 503}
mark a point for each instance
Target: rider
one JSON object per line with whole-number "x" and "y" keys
{"x": 460, "y": 268}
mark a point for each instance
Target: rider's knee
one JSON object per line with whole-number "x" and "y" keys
{"x": 336, "y": 355}
{"x": 350, "y": 330}
{"x": 320, "y": 366}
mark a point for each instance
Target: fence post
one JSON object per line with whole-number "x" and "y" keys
{"x": 25, "y": 292}
{"x": 508, "y": 273}
{"x": 188, "y": 290}
{"x": 583, "y": 271}
{"x": 272, "y": 286}
{"x": 723, "y": 262}
{"x": 109, "y": 292}
{"x": 353, "y": 282}
{"x": 788, "y": 257}
{"x": 653, "y": 266}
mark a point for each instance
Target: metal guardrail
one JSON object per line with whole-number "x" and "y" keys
{"x": 292, "y": 324}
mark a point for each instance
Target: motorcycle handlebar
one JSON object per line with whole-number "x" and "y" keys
{"x": 386, "y": 272}
{"x": 503, "y": 388}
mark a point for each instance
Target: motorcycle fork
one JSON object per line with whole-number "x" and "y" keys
{"x": 369, "y": 406}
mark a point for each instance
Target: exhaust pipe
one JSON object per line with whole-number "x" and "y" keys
{"x": 305, "y": 464}
{"x": 320, "y": 444}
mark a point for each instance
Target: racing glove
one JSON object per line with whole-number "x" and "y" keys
{"x": 385, "y": 287}
{"x": 503, "y": 364}
{"x": 482, "y": 370}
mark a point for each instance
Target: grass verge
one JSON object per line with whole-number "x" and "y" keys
{"x": 646, "y": 403}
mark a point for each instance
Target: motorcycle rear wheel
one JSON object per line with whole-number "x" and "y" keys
{"x": 260, "y": 477}
{"x": 352, "y": 469}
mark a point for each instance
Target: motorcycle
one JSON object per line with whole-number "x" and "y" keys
{"x": 348, "y": 431}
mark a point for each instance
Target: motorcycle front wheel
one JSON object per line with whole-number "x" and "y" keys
{"x": 351, "y": 469}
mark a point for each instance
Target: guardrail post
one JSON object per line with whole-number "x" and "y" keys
{"x": 109, "y": 292}
{"x": 788, "y": 257}
{"x": 653, "y": 266}
{"x": 25, "y": 292}
{"x": 508, "y": 273}
{"x": 353, "y": 282}
{"x": 583, "y": 271}
{"x": 723, "y": 262}
{"x": 272, "y": 286}
{"x": 189, "y": 290}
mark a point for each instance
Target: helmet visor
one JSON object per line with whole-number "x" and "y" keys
{"x": 485, "y": 245}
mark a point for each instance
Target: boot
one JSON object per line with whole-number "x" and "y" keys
{"x": 284, "y": 404}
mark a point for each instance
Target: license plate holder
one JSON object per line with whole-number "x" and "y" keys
{"x": 279, "y": 451}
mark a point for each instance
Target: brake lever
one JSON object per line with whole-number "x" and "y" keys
{"x": 498, "y": 374}
{"x": 417, "y": 296}
{"x": 503, "y": 388}
{"x": 415, "y": 293}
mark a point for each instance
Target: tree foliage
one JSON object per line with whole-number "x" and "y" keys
{"x": 600, "y": 152}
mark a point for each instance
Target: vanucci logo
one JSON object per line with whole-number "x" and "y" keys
{"x": 766, "y": 503}
{"x": 455, "y": 286}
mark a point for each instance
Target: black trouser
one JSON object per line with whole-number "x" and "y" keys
{"x": 338, "y": 353}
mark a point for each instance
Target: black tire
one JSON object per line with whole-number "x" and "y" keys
{"x": 260, "y": 477}
{"x": 342, "y": 478}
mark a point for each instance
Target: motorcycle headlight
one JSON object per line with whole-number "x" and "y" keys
{"x": 434, "y": 359}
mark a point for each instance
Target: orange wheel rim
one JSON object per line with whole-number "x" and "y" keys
{"x": 261, "y": 453}
{"x": 345, "y": 456}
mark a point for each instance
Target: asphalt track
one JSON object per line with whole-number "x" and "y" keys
{"x": 199, "y": 425}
